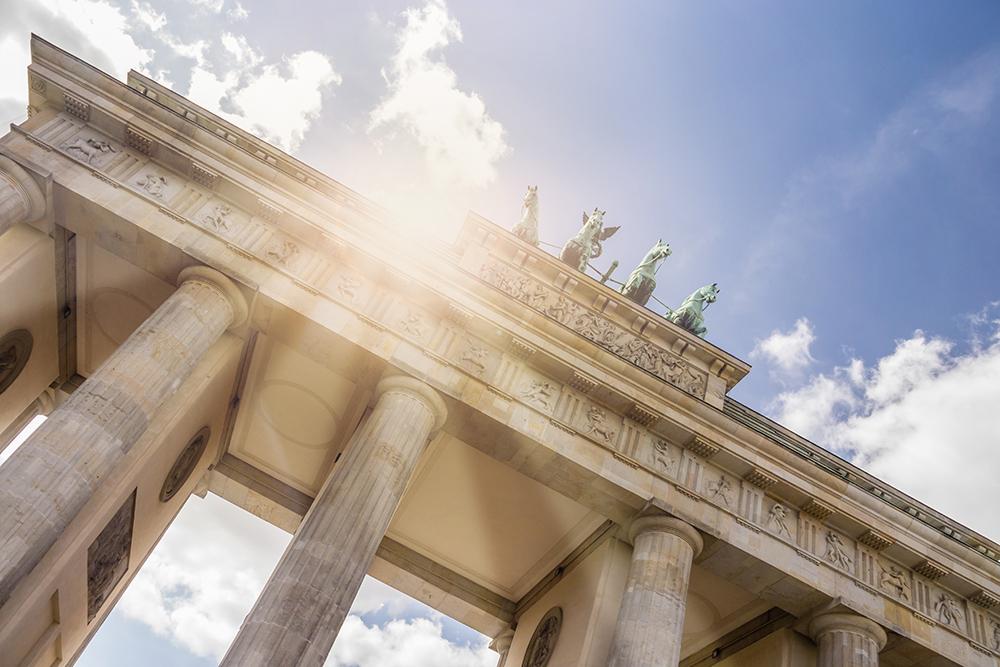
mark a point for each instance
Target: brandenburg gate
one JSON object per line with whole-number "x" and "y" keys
{"x": 477, "y": 424}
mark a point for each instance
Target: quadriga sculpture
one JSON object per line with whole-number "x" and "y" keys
{"x": 641, "y": 282}
{"x": 690, "y": 313}
{"x": 527, "y": 229}
{"x": 586, "y": 245}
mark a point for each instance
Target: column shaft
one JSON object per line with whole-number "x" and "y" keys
{"x": 847, "y": 640}
{"x": 651, "y": 618}
{"x": 21, "y": 200}
{"x": 299, "y": 613}
{"x": 49, "y": 479}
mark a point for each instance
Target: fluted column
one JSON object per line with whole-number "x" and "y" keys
{"x": 21, "y": 200}
{"x": 299, "y": 613}
{"x": 43, "y": 405}
{"x": 501, "y": 644}
{"x": 49, "y": 479}
{"x": 847, "y": 640}
{"x": 651, "y": 617}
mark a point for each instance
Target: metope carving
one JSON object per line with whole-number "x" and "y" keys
{"x": 185, "y": 464}
{"x": 721, "y": 490}
{"x": 348, "y": 286}
{"x": 894, "y": 581}
{"x": 218, "y": 218}
{"x": 153, "y": 184}
{"x": 612, "y": 337}
{"x": 474, "y": 357}
{"x": 776, "y": 520}
{"x": 661, "y": 456}
{"x": 948, "y": 611}
{"x": 90, "y": 150}
{"x": 835, "y": 551}
{"x": 281, "y": 251}
{"x": 539, "y": 393}
{"x": 598, "y": 426}
{"x": 15, "y": 350}
{"x": 413, "y": 324}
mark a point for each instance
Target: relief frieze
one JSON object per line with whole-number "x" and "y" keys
{"x": 596, "y": 328}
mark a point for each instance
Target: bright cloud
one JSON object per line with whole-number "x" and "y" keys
{"x": 95, "y": 30}
{"x": 413, "y": 643}
{"x": 788, "y": 350}
{"x": 460, "y": 140}
{"x": 238, "y": 12}
{"x": 923, "y": 418}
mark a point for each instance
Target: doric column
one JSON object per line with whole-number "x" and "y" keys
{"x": 651, "y": 617}
{"x": 55, "y": 472}
{"x": 847, "y": 640}
{"x": 299, "y": 613}
{"x": 501, "y": 644}
{"x": 21, "y": 200}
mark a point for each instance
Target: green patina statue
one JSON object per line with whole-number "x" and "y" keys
{"x": 689, "y": 314}
{"x": 586, "y": 245}
{"x": 641, "y": 282}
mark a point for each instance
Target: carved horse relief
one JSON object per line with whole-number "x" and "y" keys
{"x": 527, "y": 229}
{"x": 689, "y": 314}
{"x": 586, "y": 245}
{"x": 641, "y": 282}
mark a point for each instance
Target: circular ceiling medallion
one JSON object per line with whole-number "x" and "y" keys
{"x": 543, "y": 642}
{"x": 15, "y": 348}
{"x": 184, "y": 465}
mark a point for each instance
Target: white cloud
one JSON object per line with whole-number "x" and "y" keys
{"x": 148, "y": 16}
{"x": 94, "y": 30}
{"x": 205, "y": 574}
{"x": 240, "y": 49}
{"x": 413, "y": 643}
{"x": 789, "y": 351}
{"x": 278, "y": 103}
{"x": 461, "y": 142}
{"x": 213, "y": 6}
{"x": 238, "y": 12}
{"x": 924, "y": 418}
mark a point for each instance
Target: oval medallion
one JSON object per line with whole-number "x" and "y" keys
{"x": 543, "y": 642}
{"x": 15, "y": 348}
{"x": 185, "y": 463}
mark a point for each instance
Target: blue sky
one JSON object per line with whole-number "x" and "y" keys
{"x": 833, "y": 166}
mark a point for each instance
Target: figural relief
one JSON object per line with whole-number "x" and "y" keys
{"x": 597, "y": 425}
{"x": 538, "y": 392}
{"x": 720, "y": 490}
{"x": 475, "y": 357}
{"x": 90, "y": 149}
{"x": 776, "y": 520}
{"x": 152, "y": 184}
{"x": 616, "y": 339}
{"x": 894, "y": 580}
{"x": 218, "y": 219}
{"x": 948, "y": 610}
{"x": 835, "y": 551}
{"x": 413, "y": 324}
{"x": 348, "y": 286}
{"x": 661, "y": 455}
{"x": 281, "y": 251}
{"x": 996, "y": 635}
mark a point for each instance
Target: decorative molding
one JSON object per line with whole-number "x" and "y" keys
{"x": 702, "y": 447}
{"x": 985, "y": 599}
{"x": 203, "y": 176}
{"x": 627, "y": 461}
{"x": 866, "y": 588}
{"x": 139, "y": 141}
{"x": 817, "y": 509}
{"x": 74, "y": 106}
{"x": 809, "y": 557}
{"x": 929, "y": 570}
{"x": 458, "y": 315}
{"x": 760, "y": 479}
{"x": 269, "y": 212}
{"x": 876, "y": 540}
{"x": 595, "y": 327}
{"x": 979, "y": 647}
{"x": 747, "y": 524}
{"x": 684, "y": 491}
{"x": 582, "y": 383}
{"x": 520, "y": 350}
{"x": 926, "y": 619}
{"x": 640, "y": 414}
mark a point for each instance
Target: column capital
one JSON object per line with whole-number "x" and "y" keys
{"x": 204, "y": 274}
{"x": 33, "y": 200}
{"x": 662, "y": 523}
{"x": 501, "y": 643}
{"x": 420, "y": 390}
{"x": 845, "y": 622}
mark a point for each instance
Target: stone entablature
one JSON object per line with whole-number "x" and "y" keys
{"x": 578, "y": 407}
